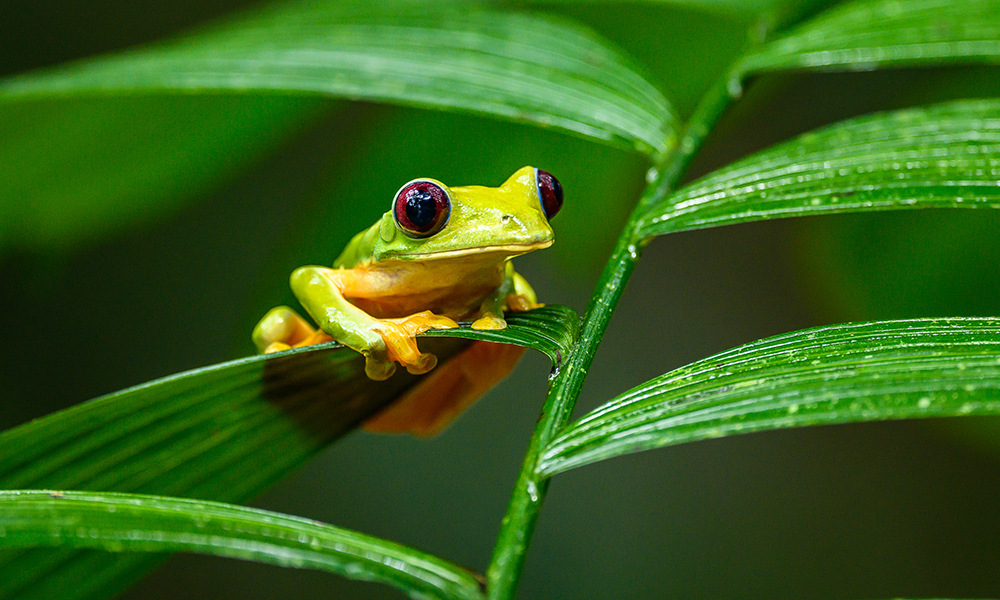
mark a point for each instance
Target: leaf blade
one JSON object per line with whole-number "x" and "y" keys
{"x": 223, "y": 432}
{"x": 551, "y": 330}
{"x": 945, "y": 156}
{"x": 828, "y": 375}
{"x": 524, "y": 67}
{"x": 143, "y": 523}
{"x": 868, "y": 34}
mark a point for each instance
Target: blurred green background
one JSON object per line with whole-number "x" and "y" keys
{"x": 877, "y": 510}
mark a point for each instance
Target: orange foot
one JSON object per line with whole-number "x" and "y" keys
{"x": 401, "y": 345}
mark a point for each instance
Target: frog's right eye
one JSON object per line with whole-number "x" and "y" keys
{"x": 421, "y": 208}
{"x": 550, "y": 193}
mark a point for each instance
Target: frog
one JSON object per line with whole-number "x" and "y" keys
{"x": 441, "y": 255}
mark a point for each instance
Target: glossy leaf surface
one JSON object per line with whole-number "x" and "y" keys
{"x": 883, "y": 33}
{"x": 133, "y": 523}
{"x": 946, "y": 156}
{"x": 828, "y": 375}
{"x": 552, "y": 332}
{"x": 527, "y": 67}
{"x": 222, "y": 433}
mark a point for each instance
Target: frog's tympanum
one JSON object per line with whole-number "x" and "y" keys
{"x": 439, "y": 256}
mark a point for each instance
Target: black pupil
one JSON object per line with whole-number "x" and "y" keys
{"x": 557, "y": 191}
{"x": 421, "y": 208}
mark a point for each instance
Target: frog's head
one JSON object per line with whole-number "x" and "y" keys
{"x": 431, "y": 221}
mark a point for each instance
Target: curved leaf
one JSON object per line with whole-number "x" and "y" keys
{"x": 140, "y": 523}
{"x": 551, "y": 330}
{"x": 518, "y": 66}
{"x": 223, "y": 432}
{"x": 857, "y": 36}
{"x": 943, "y": 156}
{"x": 873, "y": 34}
{"x": 828, "y": 375}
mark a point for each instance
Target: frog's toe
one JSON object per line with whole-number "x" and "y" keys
{"x": 422, "y": 321}
{"x": 440, "y": 322}
{"x": 276, "y": 347}
{"x": 424, "y": 363}
{"x": 403, "y": 349}
{"x": 379, "y": 369}
{"x": 489, "y": 321}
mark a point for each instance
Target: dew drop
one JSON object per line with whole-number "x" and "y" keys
{"x": 735, "y": 86}
{"x": 532, "y": 489}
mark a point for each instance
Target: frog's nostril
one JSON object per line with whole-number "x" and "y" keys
{"x": 505, "y": 219}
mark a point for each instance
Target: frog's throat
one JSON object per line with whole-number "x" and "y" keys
{"x": 508, "y": 249}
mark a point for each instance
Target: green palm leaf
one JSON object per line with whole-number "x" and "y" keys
{"x": 937, "y": 157}
{"x": 134, "y": 523}
{"x": 552, "y": 331}
{"x": 224, "y": 432}
{"x": 829, "y": 375}
{"x": 527, "y": 67}
{"x": 884, "y": 33}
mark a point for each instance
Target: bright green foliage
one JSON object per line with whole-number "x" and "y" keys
{"x": 135, "y": 523}
{"x": 526, "y": 67}
{"x": 946, "y": 156}
{"x": 223, "y": 433}
{"x": 886, "y": 33}
{"x": 856, "y": 36}
{"x": 836, "y": 374}
{"x": 551, "y": 330}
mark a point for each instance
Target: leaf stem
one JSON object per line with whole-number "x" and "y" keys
{"x": 518, "y": 524}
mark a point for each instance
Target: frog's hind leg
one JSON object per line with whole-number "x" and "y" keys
{"x": 283, "y": 328}
{"x": 443, "y": 394}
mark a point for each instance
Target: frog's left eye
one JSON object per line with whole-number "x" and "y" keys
{"x": 421, "y": 208}
{"x": 550, "y": 193}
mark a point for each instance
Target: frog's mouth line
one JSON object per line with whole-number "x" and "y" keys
{"x": 511, "y": 249}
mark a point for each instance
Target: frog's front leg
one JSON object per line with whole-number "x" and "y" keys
{"x": 513, "y": 295}
{"x": 382, "y": 341}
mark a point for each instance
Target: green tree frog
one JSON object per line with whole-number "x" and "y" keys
{"x": 440, "y": 255}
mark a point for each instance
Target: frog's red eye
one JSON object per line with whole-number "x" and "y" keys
{"x": 421, "y": 208}
{"x": 550, "y": 193}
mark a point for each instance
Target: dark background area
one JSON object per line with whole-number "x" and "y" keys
{"x": 867, "y": 511}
